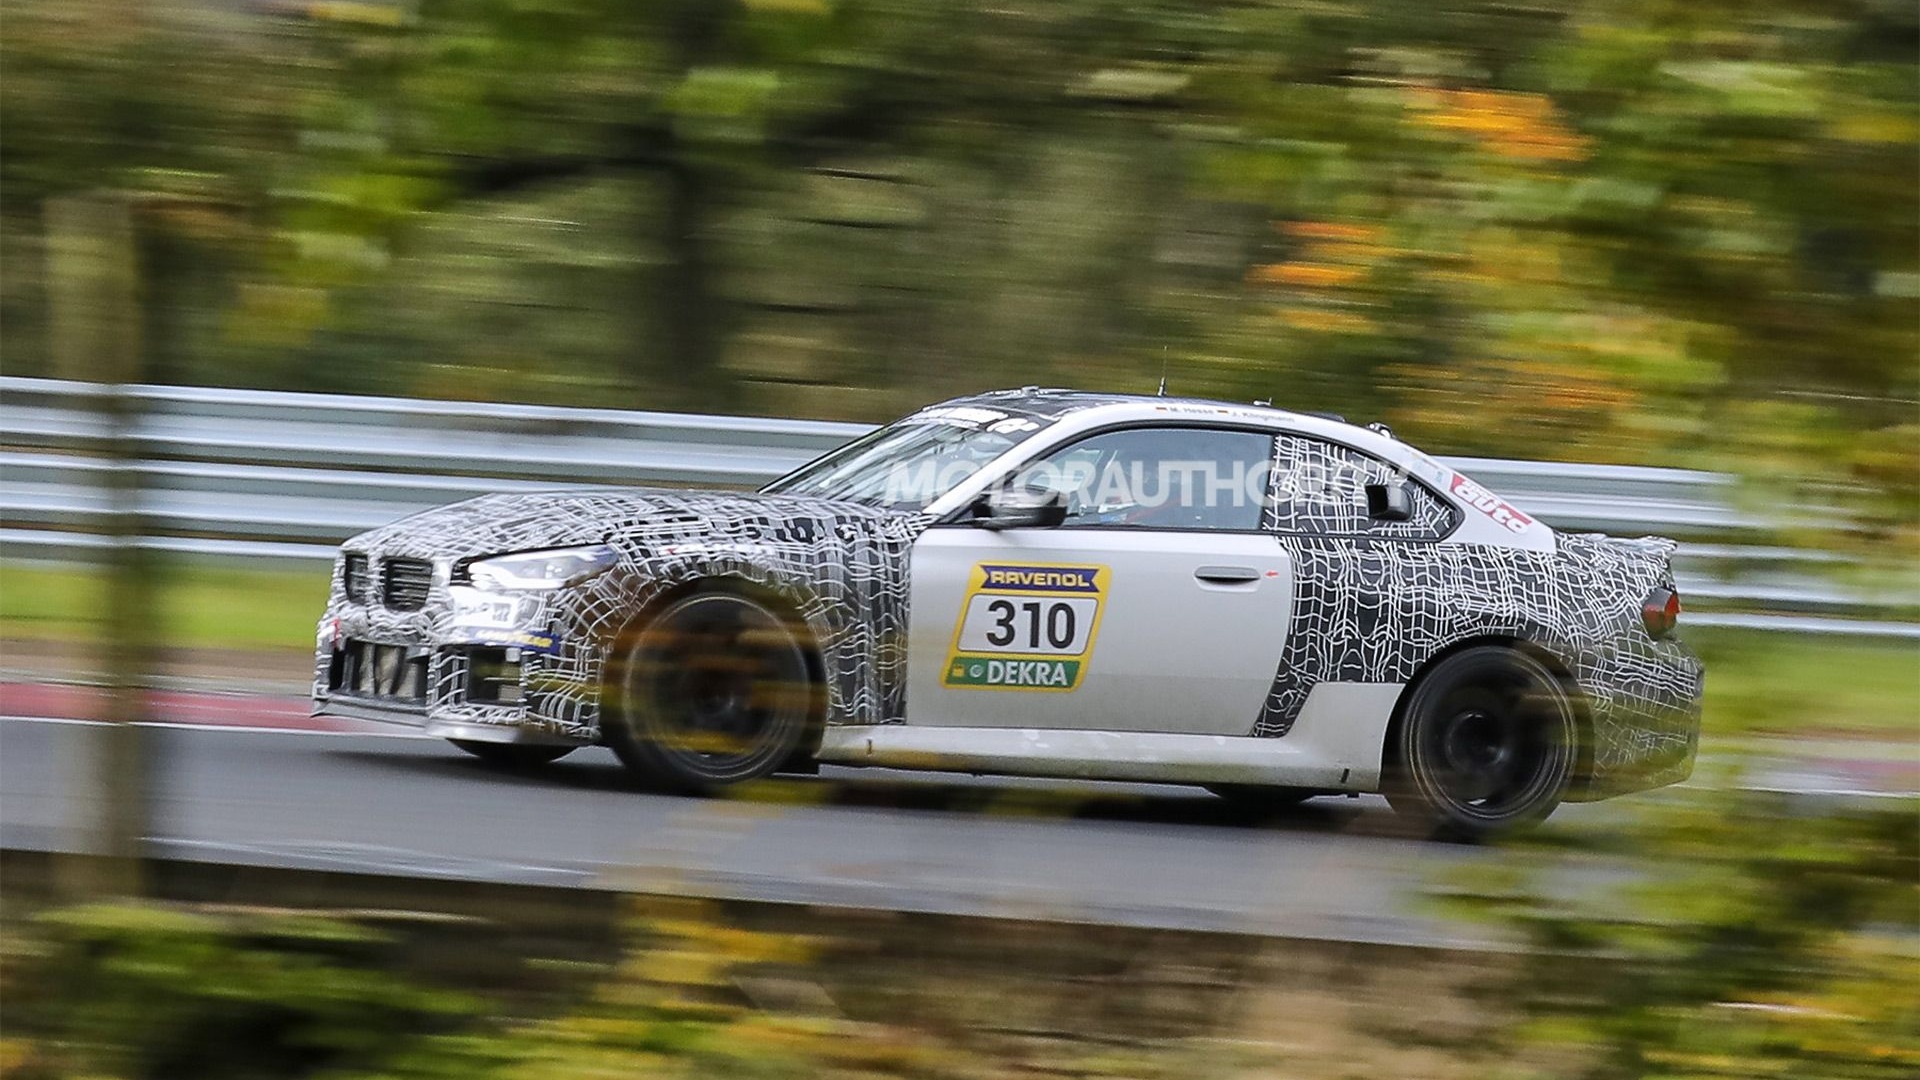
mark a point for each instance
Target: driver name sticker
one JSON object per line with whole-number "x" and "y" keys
{"x": 1026, "y": 626}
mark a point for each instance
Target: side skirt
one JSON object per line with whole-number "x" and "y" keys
{"x": 1335, "y": 745}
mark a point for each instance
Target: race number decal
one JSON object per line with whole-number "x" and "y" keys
{"x": 1026, "y": 627}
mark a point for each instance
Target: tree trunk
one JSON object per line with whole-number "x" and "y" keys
{"x": 691, "y": 315}
{"x": 94, "y": 294}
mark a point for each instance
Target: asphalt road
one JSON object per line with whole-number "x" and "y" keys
{"x": 1121, "y": 854}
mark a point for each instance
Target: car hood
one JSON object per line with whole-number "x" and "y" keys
{"x": 626, "y": 518}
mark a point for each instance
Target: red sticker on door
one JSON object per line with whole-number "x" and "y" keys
{"x": 1490, "y": 504}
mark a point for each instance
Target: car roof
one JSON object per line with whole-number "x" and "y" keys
{"x": 1053, "y": 403}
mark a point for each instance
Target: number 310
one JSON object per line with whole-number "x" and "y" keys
{"x": 1057, "y": 617}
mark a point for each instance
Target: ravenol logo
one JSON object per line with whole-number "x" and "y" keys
{"x": 991, "y": 577}
{"x": 1026, "y": 627}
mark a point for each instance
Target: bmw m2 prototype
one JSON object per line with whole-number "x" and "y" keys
{"x": 1270, "y": 604}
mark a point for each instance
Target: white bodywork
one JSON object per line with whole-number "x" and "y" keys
{"x": 1334, "y": 746}
{"x": 1150, "y": 656}
{"x": 1175, "y": 654}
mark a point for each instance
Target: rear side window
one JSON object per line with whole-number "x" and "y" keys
{"x": 1320, "y": 488}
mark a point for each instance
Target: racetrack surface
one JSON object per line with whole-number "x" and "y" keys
{"x": 1124, "y": 854}
{"x": 249, "y": 780}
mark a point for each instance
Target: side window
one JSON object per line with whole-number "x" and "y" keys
{"x": 1158, "y": 478}
{"x": 1321, "y": 487}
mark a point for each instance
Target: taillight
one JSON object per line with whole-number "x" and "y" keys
{"x": 1660, "y": 612}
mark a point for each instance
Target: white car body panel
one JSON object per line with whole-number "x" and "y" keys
{"x": 1173, "y": 657}
{"x": 1335, "y": 746}
{"x": 1169, "y": 652}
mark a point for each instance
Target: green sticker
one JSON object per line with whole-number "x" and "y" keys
{"x": 994, "y": 671}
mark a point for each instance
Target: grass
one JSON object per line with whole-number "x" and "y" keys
{"x": 1757, "y": 683}
{"x": 1761, "y": 683}
{"x": 197, "y": 606}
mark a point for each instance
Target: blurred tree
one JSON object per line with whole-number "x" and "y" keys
{"x": 749, "y": 133}
{"x": 1636, "y": 230}
{"x": 160, "y": 103}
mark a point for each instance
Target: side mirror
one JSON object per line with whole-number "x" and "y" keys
{"x": 1002, "y": 508}
{"x": 1389, "y": 502}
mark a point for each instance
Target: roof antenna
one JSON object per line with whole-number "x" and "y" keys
{"x": 1163, "y": 372}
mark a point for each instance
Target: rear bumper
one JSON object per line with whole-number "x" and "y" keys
{"x": 1643, "y": 703}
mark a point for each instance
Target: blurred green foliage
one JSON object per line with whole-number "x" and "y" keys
{"x": 129, "y": 991}
{"x": 156, "y": 991}
{"x": 1626, "y": 230}
{"x": 1748, "y": 936}
{"x": 1761, "y": 935}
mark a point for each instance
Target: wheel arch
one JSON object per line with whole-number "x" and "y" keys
{"x": 1582, "y": 711}
{"x": 790, "y": 606}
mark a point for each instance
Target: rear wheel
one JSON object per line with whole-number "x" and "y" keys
{"x": 513, "y": 755}
{"x": 712, "y": 690}
{"x": 1486, "y": 744}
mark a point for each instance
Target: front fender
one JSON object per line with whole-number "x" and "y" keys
{"x": 853, "y": 608}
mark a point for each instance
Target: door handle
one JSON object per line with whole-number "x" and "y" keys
{"x": 1227, "y": 575}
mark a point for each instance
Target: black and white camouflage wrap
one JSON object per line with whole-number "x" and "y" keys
{"x": 1318, "y": 488}
{"x": 1377, "y": 610}
{"x": 1374, "y": 602}
{"x": 841, "y": 567}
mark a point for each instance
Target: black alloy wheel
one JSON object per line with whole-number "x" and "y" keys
{"x": 1486, "y": 744}
{"x": 711, "y": 691}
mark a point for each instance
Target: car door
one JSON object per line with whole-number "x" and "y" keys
{"x": 1158, "y": 605}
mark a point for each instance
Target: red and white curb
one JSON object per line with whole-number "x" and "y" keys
{"x": 188, "y": 708}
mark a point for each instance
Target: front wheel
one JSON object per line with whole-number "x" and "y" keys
{"x": 1486, "y": 744}
{"x": 712, "y": 690}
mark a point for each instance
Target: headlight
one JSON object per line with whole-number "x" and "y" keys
{"x": 551, "y": 569}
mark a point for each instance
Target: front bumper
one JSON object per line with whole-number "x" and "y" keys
{"x": 517, "y": 732}
{"x": 465, "y": 665}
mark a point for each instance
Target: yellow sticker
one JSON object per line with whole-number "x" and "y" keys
{"x": 1026, "y": 626}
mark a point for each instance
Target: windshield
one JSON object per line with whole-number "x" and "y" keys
{"x": 908, "y": 464}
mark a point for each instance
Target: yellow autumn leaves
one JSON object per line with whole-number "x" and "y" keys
{"x": 1330, "y": 256}
{"x": 1524, "y": 127}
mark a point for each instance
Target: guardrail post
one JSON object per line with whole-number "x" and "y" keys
{"x": 93, "y": 290}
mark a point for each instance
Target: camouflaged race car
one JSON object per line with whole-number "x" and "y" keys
{"x": 1270, "y": 604}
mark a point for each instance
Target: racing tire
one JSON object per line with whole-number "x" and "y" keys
{"x": 1485, "y": 745}
{"x": 712, "y": 690}
{"x": 513, "y": 755}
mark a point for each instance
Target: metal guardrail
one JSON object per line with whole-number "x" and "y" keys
{"x": 283, "y": 476}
